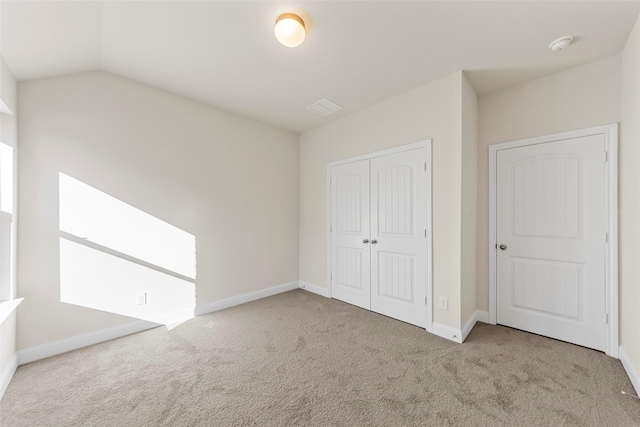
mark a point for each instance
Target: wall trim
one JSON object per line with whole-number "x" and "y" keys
{"x": 8, "y": 307}
{"x": 482, "y": 316}
{"x": 610, "y": 133}
{"x": 214, "y": 306}
{"x": 477, "y": 316}
{"x": 315, "y": 289}
{"x": 631, "y": 370}
{"x": 172, "y": 318}
{"x": 447, "y": 332}
{"x": 54, "y": 348}
{"x": 7, "y": 374}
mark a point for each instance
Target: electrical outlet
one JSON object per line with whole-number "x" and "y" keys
{"x": 444, "y": 303}
{"x": 141, "y": 298}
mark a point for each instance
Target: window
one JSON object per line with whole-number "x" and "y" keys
{"x": 7, "y": 230}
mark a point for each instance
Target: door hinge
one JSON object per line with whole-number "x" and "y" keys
{"x": 425, "y": 300}
{"x": 606, "y": 318}
{"x": 606, "y": 237}
{"x": 425, "y": 233}
{"x": 331, "y": 277}
{"x": 606, "y": 156}
{"x": 425, "y": 166}
{"x": 331, "y": 229}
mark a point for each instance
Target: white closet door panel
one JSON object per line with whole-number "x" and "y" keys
{"x": 551, "y": 221}
{"x": 350, "y": 219}
{"x": 398, "y": 224}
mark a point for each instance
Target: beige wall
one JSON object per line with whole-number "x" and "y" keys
{"x": 469, "y": 128}
{"x": 230, "y": 181}
{"x": 430, "y": 111}
{"x": 578, "y": 98}
{"x": 629, "y": 214}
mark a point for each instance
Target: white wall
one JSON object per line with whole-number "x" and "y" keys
{"x": 469, "y": 129}
{"x": 577, "y": 98}
{"x": 629, "y": 214}
{"x": 8, "y": 125}
{"x": 8, "y": 135}
{"x": 229, "y": 181}
{"x": 8, "y": 87}
{"x": 430, "y": 111}
{"x": 8, "y": 358}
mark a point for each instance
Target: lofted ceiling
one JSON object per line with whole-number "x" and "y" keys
{"x": 223, "y": 53}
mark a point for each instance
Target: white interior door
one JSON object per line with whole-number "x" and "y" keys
{"x": 398, "y": 236}
{"x": 350, "y": 224}
{"x": 551, "y": 213}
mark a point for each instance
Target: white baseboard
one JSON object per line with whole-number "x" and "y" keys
{"x": 54, "y": 348}
{"x": 214, "y": 306}
{"x": 477, "y": 316}
{"x": 482, "y": 316}
{"x": 172, "y": 318}
{"x": 468, "y": 326}
{"x": 457, "y": 335}
{"x": 447, "y": 332}
{"x": 7, "y": 374}
{"x": 315, "y": 289}
{"x": 68, "y": 344}
{"x": 632, "y": 372}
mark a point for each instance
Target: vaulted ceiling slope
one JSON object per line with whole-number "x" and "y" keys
{"x": 356, "y": 53}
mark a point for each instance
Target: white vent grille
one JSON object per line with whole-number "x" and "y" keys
{"x": 324, "y": 107}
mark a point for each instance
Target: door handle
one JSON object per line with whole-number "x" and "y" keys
{"x": 374, "y": 241}
{"x": 503, "y": 247}
{"x": 365, "y": 241}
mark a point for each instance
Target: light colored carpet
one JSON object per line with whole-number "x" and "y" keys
{"x": 300, "y": 359}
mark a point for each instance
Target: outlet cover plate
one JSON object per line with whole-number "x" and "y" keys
{"x": 141, "y": 298}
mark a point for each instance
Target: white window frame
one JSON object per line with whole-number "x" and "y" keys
{"x": 7, "y": 219}
{"x": 8, "y": 300}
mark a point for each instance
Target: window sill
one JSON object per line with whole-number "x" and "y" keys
{"x": 8, "y": 307}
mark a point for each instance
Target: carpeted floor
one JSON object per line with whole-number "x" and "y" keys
{"x": 300, "y": 359}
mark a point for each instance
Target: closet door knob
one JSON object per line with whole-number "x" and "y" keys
{"x": 365, "y": 241}
{"x": 374, "y": 241}
{"x": 503, "y": 247}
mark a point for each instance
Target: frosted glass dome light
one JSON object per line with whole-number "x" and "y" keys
{"x": 289, "y": 30}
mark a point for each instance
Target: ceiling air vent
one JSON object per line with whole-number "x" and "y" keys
{"x": 324, "y": 107}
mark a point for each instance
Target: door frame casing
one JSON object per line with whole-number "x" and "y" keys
{"x": 610, "y": 133}
{"x": 426, "y": 144}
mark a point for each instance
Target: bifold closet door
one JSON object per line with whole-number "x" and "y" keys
{"x": 398, "y": 236}
{"x": 350, "y": 227}
{"x": 378, "y": 235}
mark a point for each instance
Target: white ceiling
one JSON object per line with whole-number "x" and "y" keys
{"x": 356, "y": 53}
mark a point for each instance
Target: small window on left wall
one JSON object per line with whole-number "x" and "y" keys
{"x": 7, "y": 229}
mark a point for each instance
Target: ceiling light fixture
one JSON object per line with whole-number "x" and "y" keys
{"x": 561, "y": 43}
{"x": 289, "y": 30}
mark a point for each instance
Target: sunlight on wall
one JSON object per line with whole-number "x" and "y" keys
{"x": 117, "y": 258}
{"x": 88, "y": 213}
